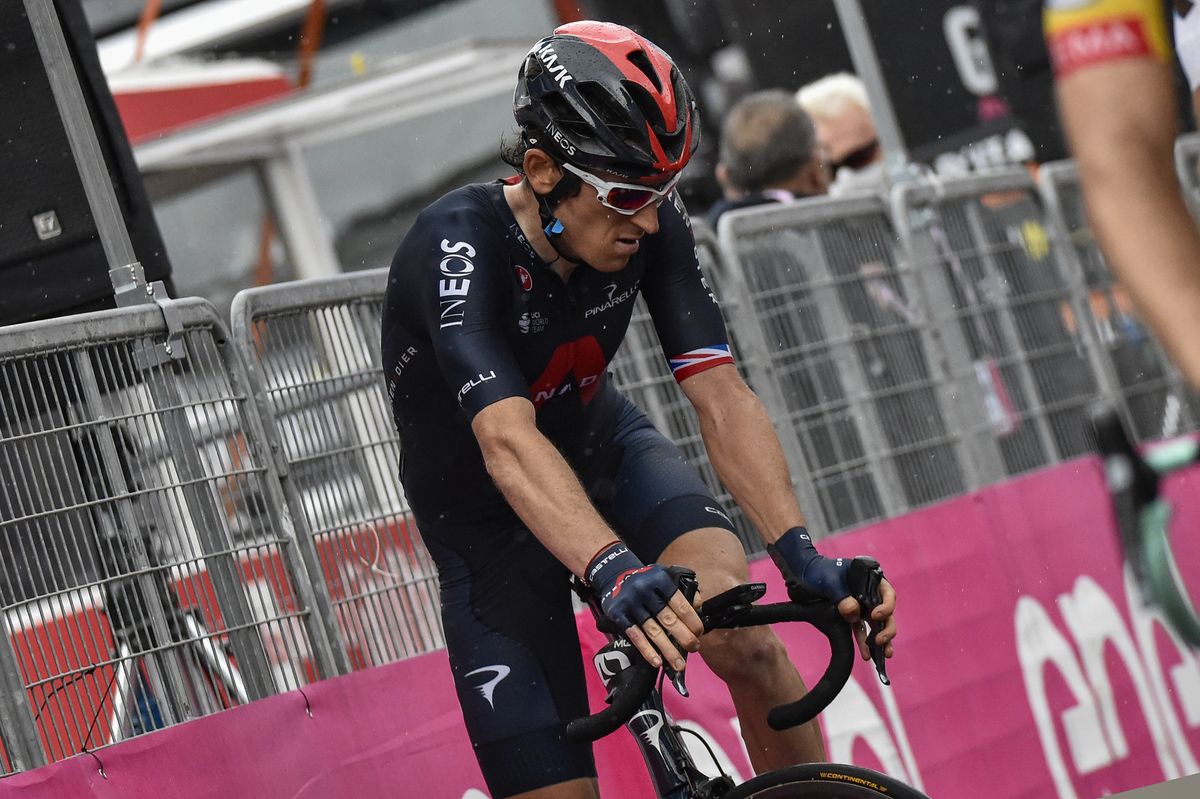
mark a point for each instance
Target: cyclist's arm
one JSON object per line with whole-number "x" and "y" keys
{"x": 744, "y": 449}
{"x": 539, "y": 484}
{"x": 1119, "y": 116}
{"x": 542, "y": 488}
{"x": 738, "y": 435}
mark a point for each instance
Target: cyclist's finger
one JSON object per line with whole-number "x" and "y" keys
{"x": 678, "y": 631}
{"x": 849, "y": 609}
{"x": 663, "y": 643}
{"x": 687, "y": 615}
{"x": 888, "y": 632}
{"x": 888, "y": 606}
{"x": 634, "y": 634}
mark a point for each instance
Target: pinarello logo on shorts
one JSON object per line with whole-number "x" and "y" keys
{"x": 526, "y": 278}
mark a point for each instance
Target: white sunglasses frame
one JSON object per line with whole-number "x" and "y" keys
{"x": 603, "y": 187}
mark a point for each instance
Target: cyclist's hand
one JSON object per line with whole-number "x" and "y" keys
{"x": 881, "y": 615}
{"x": 644, "y": 602}
{"x": 818, "y": 575}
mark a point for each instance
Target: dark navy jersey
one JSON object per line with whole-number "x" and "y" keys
{"x": 472, "y": 316}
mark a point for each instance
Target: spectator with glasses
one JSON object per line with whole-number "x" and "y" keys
{"x": 841, "y": 112}
{"x": 523, "y": 464}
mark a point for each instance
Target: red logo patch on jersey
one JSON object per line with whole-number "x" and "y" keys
{"x": 1097, "y": 42}
{"x": 526, "y": 278}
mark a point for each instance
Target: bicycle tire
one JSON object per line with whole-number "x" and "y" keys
{"x": 824, "y": 781}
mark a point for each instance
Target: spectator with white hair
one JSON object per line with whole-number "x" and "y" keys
{"x": 840, "y": 110}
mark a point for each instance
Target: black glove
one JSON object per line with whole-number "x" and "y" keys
{"x": 629, "y": 592}
{"x": 801, "y": 563}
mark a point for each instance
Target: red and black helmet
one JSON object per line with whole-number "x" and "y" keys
{"x": 601, "y": 97}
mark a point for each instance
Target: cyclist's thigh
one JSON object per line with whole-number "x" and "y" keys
{"x": 646, "y": 489}
{"x": 514, "y": 652}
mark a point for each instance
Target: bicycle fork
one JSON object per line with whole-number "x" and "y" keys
{"x": 672, "y": 770}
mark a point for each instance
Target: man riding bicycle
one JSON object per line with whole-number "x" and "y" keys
{"x": 524, "y": 465}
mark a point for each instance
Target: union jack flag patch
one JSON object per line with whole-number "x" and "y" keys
{"x": 694, "y": 362}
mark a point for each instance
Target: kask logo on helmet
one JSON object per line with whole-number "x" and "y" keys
{"x": 549, "y": 60}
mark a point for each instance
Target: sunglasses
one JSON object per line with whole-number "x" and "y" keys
{"x": 624, "y": 198}
{"x": 857, "y": 159}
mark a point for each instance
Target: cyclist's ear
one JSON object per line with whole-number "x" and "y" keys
{"x": 542, "y": 171}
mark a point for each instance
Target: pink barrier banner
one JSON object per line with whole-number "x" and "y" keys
{"x": 1027, "y": 666}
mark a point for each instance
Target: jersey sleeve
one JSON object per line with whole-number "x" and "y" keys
{"x": 1187, "y": 41}
{"x": 685, "y": 311}
{"x": 1084, "y": 33}
{"x": 461, "y": 276}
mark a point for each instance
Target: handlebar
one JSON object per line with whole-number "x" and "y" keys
{"x": 735, "y": 608}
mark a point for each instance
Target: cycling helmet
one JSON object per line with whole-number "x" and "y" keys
{"x": 601, "y": 97}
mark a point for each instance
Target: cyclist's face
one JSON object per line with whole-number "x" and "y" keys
{"x": 600, "y": 236}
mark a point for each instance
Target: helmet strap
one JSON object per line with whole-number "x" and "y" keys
{"x": 552, "y": 226}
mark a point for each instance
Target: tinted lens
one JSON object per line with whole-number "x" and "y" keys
{"x": 629, "y": 199}
{"x": 859, "y": 158}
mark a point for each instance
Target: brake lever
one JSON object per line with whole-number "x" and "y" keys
{"x": 864, "y": 580}
{"x": 688, "y": 585}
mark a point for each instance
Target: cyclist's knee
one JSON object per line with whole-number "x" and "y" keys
{"x": 744, "y": 654}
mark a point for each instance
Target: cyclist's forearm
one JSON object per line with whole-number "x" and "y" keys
{"x": 541, "y": 488}
{"x": 744, "y": 449}
{"x": 1121, "y": 127}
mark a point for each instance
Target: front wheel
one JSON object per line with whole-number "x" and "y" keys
{"x": 827, "y": 780}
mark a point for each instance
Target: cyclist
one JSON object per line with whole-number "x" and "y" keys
{"x": 1115, "y": 88}
{"x": 524, "y": 465}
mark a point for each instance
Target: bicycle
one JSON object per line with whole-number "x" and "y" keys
{"x": 1143, "y": 515}
{"x": 635, "y": 697}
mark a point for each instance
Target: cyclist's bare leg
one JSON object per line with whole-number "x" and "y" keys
{"x": 753, "y": 662}
{"x": 572, "y": 789}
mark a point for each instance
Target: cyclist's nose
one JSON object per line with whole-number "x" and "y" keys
{"x": 647, "y": 218}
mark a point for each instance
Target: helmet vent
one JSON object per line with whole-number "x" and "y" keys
{"x": 533, "y": 67}
{"x": 563, "y": 114}
{"x": 645, "y": 103}
{"x": 638, "y": 59}
{"x": 610, "y": 113}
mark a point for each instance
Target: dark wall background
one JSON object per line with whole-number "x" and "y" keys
{"x": 67, "y": 273}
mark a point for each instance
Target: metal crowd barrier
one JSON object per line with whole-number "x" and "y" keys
{"x": 1150, "y": 390}
{"x": 1005, "y": 312}
{"x": 149, "y": 573}
{"x": 315, "y": 346}
{"x": 842, "y": 358}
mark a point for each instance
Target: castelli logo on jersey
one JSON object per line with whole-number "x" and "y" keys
{"x": 525, "y": 277}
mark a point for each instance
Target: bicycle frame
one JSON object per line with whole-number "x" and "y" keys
{"x": 1143, "y": 515}
{"x": 672, "y": 770}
